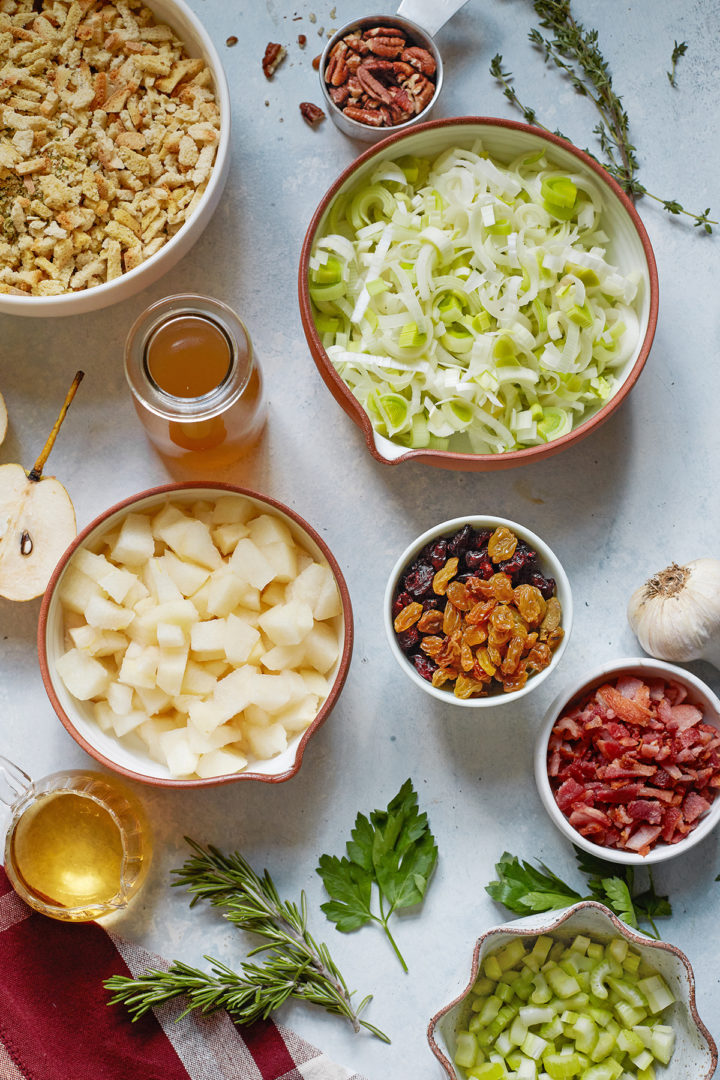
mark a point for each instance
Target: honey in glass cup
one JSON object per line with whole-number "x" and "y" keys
{"x": 78, "y": 846}
{"x": 195, "y": 381}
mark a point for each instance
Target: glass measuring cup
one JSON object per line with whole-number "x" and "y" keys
{"x": 78, "y": 845}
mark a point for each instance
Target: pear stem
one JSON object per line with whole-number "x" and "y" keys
{"x": 36, "y": 471}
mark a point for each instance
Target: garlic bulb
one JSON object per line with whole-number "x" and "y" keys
{"x": 676, "y": 614}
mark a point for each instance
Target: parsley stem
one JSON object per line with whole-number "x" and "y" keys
{"x": 383, "y": 920}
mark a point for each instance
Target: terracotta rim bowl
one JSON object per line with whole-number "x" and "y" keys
{"x": 695, "y": 1056}
{"x": 551, "y": 566}
{"x": 137, "y": 765}
{"x": 198, "y": 42}
{"x": 698, "y": 694}
{"x": 512, "y": 137}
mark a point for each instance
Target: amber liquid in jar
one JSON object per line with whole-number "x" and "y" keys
{"x": 196, "y": 384}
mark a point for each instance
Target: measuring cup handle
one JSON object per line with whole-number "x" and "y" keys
{"x": 430, "y": 14}
{"x": 14, "y": 781}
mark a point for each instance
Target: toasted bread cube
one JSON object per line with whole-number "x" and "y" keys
{"x": 106, "y": 615}
{"x": 221, "y": 762}
{"x": 250, "y": 564}
{"x": 180, "y": 759}
{"x": 135, "y": 543}
{"x": 321, "y": 647}
{"x": 83, "y": 676}
{"x": 225, "y": 537}
{"x": 188, "y": 576}
{"x": 266, "y": 742}
{"x": 171, "y": 669}
{"x": 287, "y": 624}
{"x": 232, "y": 509}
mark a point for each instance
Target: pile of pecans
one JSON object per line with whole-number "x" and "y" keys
{"x": 108, "y": 134}
{"x": 377, "y": 76}
{"x": 475, "y": 611}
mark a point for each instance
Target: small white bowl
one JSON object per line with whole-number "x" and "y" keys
{"x": 551, "y": 567}
{"x": 698, "y": 694}
{"x": 133, "y": 760}
{"x": 198, "y": 43}
{"x": 695, "y": 1056}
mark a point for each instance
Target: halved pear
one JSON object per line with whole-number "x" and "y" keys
{"x": 37, "y": 521}
{"x": 3, "y": 418}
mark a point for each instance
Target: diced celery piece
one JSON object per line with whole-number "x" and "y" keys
{"x": 599, "y": 1015}
{"x": 646, "y": 1074}
{"x": 518, "y": 1031}
{"x": 556, "y": 952}
{"x": 511, "y": 954}
{"x": 631, "y": 962}
{"x": 561, "y": 983}
{"x": 598, "y": 975}
{"x": 478, "y": 1003}
{"x": 562, "y": 1066}
{"x": 542, "y": 947}
{"x": 534, "y": 1046}
{"x": 595, "y": 950}
{"x": 657, "y": 993}
{"x": 504, "y": 991}
{"x": 605, "y": 1045}
{"x": 488, "y": 1070}
{"x": 483, "y": 986}
{"x": 490, "y": 1009}
{"x": 569, "y": 1017}
{"x": 580, "y": 944}
{"x": 642, "y": 1060}
{"x": 630, "y": 1043}
{"x": 662, "y": 1042}
{"x": 542, "y": 992}
{"x": 618, "y": 949}
{"x": 534, "y": 1014}
{"x": 632, "y": 994}
{"x": 607, "y": 1070}
{"x": 552, "y": 1029}
{"x": 465, "y": 1050}
{"x": 504, "y": 1044}
{"x": 628, "y": 1015}
{"x": 530, "y": 961}
{"x": 586, "y": 1034}
{"x": 491, "y": 968}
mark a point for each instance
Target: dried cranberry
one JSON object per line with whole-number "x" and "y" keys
{"x": 419, "y": 581}
{"x": 401, "y": 601}
{"x": 462, "y": 541}
{"x": 423, "y": 665}
{"x": 434, "y": 603}
{"x": 474, "y": 559}
{"x": 481, "y": 537}
{"x": 545, "y": 585}
{"x": 408, "y": 639}
{"x": 482, "y": 567}
{"x": 438, "y": 554}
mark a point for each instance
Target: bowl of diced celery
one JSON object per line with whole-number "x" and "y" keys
{"x": 476, "y": 294}
{"x": 574, "y": 994}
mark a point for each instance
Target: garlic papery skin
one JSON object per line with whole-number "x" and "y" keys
{"x": 676, "y": 614}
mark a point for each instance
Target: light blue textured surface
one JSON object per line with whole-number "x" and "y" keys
{"x": 635, "y": 496}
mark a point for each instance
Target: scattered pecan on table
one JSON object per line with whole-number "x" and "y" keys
{"x": 311, "y": 114}
{"x": 274, "y": 55}
{"x": 378, "y": 77}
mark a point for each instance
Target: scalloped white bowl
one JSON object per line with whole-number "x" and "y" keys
{"x": 695, "y": 1056}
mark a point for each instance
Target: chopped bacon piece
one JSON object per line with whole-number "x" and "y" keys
{"x": 646, "y": 810}
{"x": 627, "y": 710}
{"x": 568, "y": 793}
{"x": 694, "y": 806}
{"x": 643, "y": 839}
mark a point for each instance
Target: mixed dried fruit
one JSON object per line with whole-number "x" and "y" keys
{"x": 379, "y": 77}
{"x": 634, "y": 764}
{"x": 474, "y": 611}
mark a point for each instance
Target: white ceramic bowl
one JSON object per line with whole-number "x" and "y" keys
{"x": 629, "y": 249}
{"x": 698, "y": 694}
{"x": 551, "y": 567}
{"x": 695, "y": 1055}
{"x": 198, "y": 43}
{"x": 134, "y": 761}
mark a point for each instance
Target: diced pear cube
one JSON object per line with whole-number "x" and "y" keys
{"x": 287, "y": 624}
{"x": 253, "y": 714}
{"x": 300, "y": 714}
{"x": 201, "y": 743}
{"x": 266, "y": 742}
{"x": 136, "y": 594}
{"x": 76, "y": 590}
{"x": 250, "y": 564}
{"x": 135, "y": 543}
{"x": 225, "y": 591}
{"x": 222, "y": 762}
{"x": 182, "y": 702}
{"x": 103, "y": 715}
{"x": 120, "y": 697}
{"x": 150, "y": 733}
{"x": 122, "y": 725}
{"x": 274, "y": 593}
{"x": 207, "y": 639}
{"x": 258, "y": 651}
{"x": 240, "y": 639}
{"x": 231, "y": 509}
{"x": 191, "y": 539}
{"x": 106, "y": 615}
{"x": 197, "y": 680}
{"x": 225, "y": 537}
{"x": 203, "y": 510}
{"x": 159, "y": 582}
{"x": 181, "y": 761}
{"x": 269, "y": 529}
{"x": 236, "y": 690}
{"x": 152, "y": 699}
{"x": 188, "y": 576}
{"x": 171, "y": 669}
{"x": 170, "y": 635}
{"x": 247, "y": 614}
{"x": 98, "y": 642}
{"x": 167, "y": 515}
{"x": 199, "y": 599}
{"x": 274, "y": 692}
{"x": 206, "y": 716}
{"x": 283, "y": 558}
{"x": 316, "y": 586}
{"x": 321, "y": 647}
{"x": 118, "y": 584}
{"x": 218, "y": 668}
{"x": 87, "y": 562}
{"x": 83, "y": 676}
{"x": 284, "y": 657}
{"x": 139, "y": 666}
{"x": 83, "y": 637}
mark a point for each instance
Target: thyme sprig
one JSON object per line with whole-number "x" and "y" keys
{"x": 294, "y": 964}
{"x": 575, "y": 51}
{"x": 678, "y": 51}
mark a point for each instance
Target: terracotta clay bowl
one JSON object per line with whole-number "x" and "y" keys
{"x": 629, "y": 249}
{"x": 695, "y": 1056}
{"x": 134, "y": 761}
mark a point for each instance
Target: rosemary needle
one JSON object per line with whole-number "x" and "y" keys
{"x": 575, "y": 51}
{"x": 294, "y": 965}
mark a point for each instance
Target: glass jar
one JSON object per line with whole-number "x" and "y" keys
{"x": 195, "y": 381}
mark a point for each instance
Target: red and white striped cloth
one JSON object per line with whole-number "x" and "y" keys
{"x": 55, "y": 1023}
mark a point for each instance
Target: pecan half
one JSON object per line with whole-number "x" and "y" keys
{"x": 311, "y": 114}
{"x": 274, "y": 55}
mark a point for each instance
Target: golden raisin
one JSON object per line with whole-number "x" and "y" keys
{"x": 474, "y": 635}
{"x": 407, "y": 617}
{"x": 451, "y": 618}
{"x": 442, "y": 675}
{"x": 513, "y": 655}
{"x": 443, "y": 577}
{"x": 501, "y": 587}
{"x": 480, "y": 611}
{"x": 555, "y": 637}
{"x": 430, "y": 622}
{"x": 466, "y": 687}
{"x": 485, "y": 662}
{"x": 539, "y": 656}
{"x": 502, "y": 544}
{"x": 494, "y": 654}
{"x": 530, "y": 603}
{"x": 553, "y": 615}
{"x": 458, "y": 594}
{"x": 516, "y": 681}
{"x": 467, "y": 659}
{"x": 431, "y": 646}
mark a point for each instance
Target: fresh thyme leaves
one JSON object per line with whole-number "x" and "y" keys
{"x": 678, "y": 51}
{"x": 294, "y": 964}
{"x": 394, "y": 849}
{"x": 523, "y": 889}
{"x": 576, "y": 52}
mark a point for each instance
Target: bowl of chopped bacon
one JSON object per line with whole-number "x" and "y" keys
{"x": 627, "y": 761}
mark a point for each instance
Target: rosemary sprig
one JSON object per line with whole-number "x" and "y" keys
{"x": 678, "y": 51}
{"x": 575, "y": 51}
{"x": 294, "y": 964}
